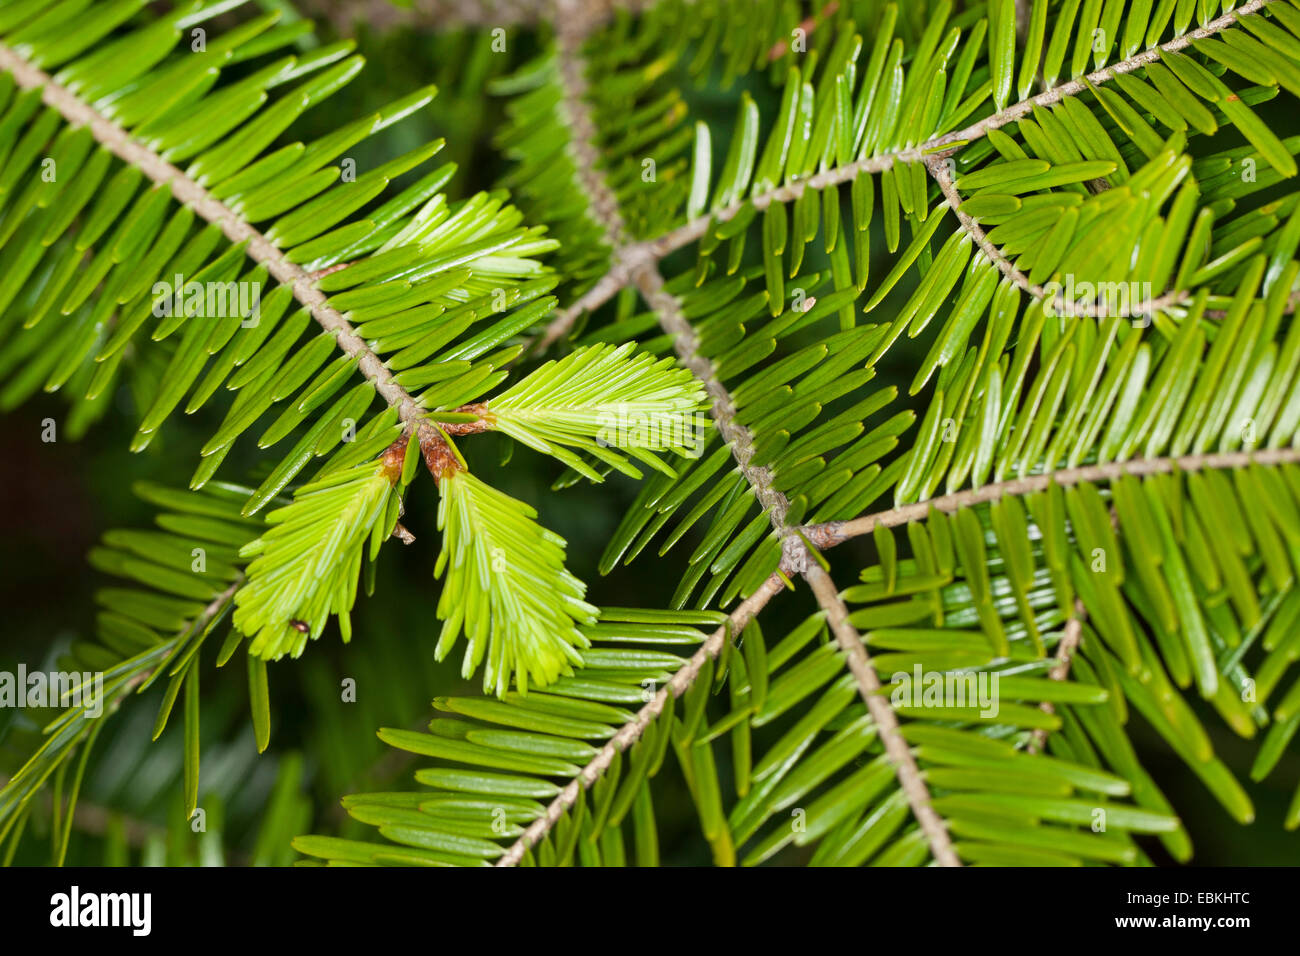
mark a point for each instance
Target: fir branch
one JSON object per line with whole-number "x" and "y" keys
{"x": 142, "y": 668}
{"x": 574, "y": 23}
{"x": 636, "y": 264}
{"x": 795, "y": 557}
{"x": 939, "y": 171}
{"x": 685, "y": 343}
{"x": 505, "y": 589}
{"x": 631, "y": 732}
{"x": 939, "y": 147}
{"x": 257, "y": 246}
{"x": 831, "y": 533}
{"x": 900, "y": 755}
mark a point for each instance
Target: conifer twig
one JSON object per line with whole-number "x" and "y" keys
{"x": 938, "y": 147}
{"x": 573, "y": 25}
{"x": 723, "y": 411}
{"x": 187, "y": 191}
{"x": 830, "y": 533}
{"x": 882, "y": 712}
{"x": 794, "y": 551}
{"x": 631, "y": 732}
{"x": 574, "y": 22}
{"x": 939, "y": 171}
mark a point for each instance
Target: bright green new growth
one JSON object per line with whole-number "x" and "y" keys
{"x": 306, "y": 566}
{"x": 505, "y": 587}
{"x": 602, "y": 398}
